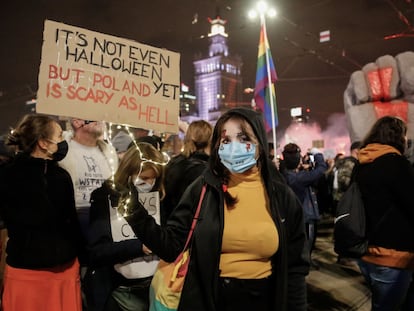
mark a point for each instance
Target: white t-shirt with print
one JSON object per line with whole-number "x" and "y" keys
{"x": 89, "y": 167}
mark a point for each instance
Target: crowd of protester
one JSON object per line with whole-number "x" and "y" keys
{"x": 66, "y": 194}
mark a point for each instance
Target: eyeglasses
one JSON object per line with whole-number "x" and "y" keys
{"x": 86, "y": 122}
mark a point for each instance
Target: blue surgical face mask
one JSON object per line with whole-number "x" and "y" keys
{"x": 238, "y": 157}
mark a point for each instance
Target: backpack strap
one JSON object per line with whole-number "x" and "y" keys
{"x": 195, "y": 218}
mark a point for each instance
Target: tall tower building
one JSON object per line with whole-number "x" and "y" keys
{"x": 218, "y": 81}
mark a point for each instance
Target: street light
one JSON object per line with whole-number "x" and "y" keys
{"x": 262, "y": 10}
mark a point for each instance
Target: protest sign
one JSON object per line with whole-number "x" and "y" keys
{"x": 120, "y": 228}
{"x": 143, "y": 266}
{"x": 151, "y": 202}
{"x": 94, "y": 76}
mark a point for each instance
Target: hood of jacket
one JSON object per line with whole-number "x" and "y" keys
{"x": 255, "y": 119}
{"x": 373, "y": 151}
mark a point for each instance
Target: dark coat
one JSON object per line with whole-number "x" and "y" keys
{"x": 101, "y": 278}
{"x": 302, "y": 183}
{"x": 38, "y": 208}
{"x": 290, "y": 264}
{"x": 200, "y": 290}
{"x": 179, "y": 174}
{"x": 101, "y": 247}
{"x": 385, "y": 183}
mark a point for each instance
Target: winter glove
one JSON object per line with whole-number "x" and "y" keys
{"x": 134, "y": 203}
{"x": 114, "y": 194}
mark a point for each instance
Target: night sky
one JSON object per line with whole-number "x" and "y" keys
{"x": 311, "y": 74}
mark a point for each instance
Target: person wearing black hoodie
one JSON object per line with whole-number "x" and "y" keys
{"x": 386, "y": 180}
{"x": 248, "y": 250}
{"x": 183, "y": 169}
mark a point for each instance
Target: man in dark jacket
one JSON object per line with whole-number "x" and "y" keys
{"x": 302, "y": 181}
{"x": 344, "y": 169}
{"x": 343, "y": 176}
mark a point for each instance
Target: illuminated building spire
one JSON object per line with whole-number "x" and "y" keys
{"x": 217, "y": 78}
{"x": 218, "y": 37}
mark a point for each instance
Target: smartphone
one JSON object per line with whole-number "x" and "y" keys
{"x": 311, "y": 158}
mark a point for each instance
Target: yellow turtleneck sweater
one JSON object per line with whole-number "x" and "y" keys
{"x": 250, "y": 236}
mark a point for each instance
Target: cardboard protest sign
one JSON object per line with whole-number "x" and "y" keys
{"x": 120, "y": 228}
{"x": 94, "y": 76}
{"x": 143, "y": 266}
{"x": 151, "y": 202}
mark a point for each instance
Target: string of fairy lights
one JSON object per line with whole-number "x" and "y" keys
{"x": 123, "y": 204}
{"x": 141, "y": 155}
{"x": 122, "y": 209}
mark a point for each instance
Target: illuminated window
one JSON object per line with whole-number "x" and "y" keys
{"x": 217, "y": 30}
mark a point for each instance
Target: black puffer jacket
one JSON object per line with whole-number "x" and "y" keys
{"x": 386, "y": 186}
{"x": 179, "y": 174}
{"x": 38, "y": 207}
{"x": 290, "y": 263}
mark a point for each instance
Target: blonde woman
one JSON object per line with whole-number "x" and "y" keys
{"x": 121, "y": 267}
{"x": 183, "y": 169}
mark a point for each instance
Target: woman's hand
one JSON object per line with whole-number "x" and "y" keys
{"x": 146, "y": 250}
{"x": 134, "y": 201}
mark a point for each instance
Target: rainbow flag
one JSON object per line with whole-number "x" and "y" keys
{"x": 261, "y": 90}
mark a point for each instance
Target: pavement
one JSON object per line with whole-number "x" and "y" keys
{"x": 334, "y": 286}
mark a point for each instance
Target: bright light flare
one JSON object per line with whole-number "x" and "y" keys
{"x": 272, "y": 13}
{"x": 252, "y": 14}
{"x": 262, "y": 9}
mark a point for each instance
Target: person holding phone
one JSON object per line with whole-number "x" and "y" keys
{"x": 303, "y": 179}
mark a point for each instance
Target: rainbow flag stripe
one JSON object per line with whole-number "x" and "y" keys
{"x": 261, "y": 90}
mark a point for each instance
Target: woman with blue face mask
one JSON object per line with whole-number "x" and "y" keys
{"x": 121, "y": 266}
{"x": 237, "y": 149}
{"x": 248, "y": 248}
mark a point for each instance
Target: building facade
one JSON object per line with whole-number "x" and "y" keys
{"x": 218, "y": 80}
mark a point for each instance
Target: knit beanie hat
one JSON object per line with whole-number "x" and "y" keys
{"x": 121, "y": 141}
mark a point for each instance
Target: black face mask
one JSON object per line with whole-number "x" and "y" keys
{"x": 62, "y": 150}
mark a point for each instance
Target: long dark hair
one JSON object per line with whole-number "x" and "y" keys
{"x": 216, "y": 166}
{"x": 388, "y": 130}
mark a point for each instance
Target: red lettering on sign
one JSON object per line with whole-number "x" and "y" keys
{"x": 152, "y": 114}
{"x": 88, "y": 94}
{"x": 53, "y": 90}
{"x": 128, "y": 102}
{"x": 64, "y": 74}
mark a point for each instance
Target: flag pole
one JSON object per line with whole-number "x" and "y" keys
{"x": 269, "y": 79}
